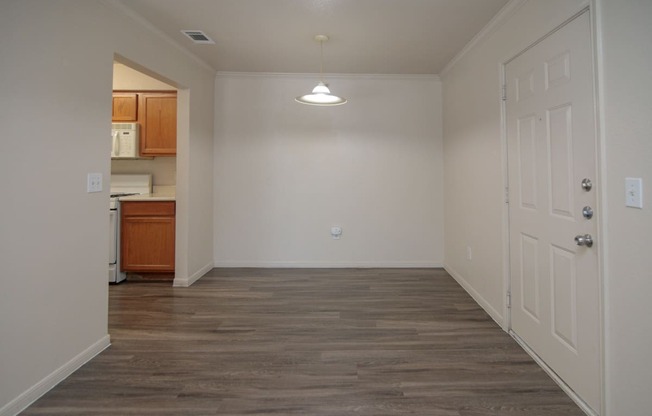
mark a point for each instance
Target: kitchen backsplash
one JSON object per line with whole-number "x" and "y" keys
{"x": 163, "y": 169}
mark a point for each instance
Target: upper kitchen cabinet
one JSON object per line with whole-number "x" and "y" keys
{"x": 125, "y": 107}
{"x": 158, "y": 123}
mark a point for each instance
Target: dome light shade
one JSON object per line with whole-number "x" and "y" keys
{"x": 321, "y": 95}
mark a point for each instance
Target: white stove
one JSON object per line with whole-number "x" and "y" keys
{"x": 122, "y": 185}
{"x": 115, "y": 198}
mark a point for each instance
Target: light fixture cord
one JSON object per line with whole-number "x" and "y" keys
{"x": 321, "y": 61}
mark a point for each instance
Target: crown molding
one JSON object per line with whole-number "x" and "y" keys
{"x": 314, "y": 76}
{"x": 490, "y": 27}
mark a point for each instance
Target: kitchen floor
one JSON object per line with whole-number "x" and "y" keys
{"x": 306, "y": 342}
{"x": 150, "y": 277}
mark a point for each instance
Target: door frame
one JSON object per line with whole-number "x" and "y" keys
{"x": 588, "y": 7}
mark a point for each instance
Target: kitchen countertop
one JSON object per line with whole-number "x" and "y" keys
{"x": 162, "y": 193}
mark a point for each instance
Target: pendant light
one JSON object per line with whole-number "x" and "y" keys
{"x": 321, "y": 95}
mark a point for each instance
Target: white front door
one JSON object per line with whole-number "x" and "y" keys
{"x": 551, "y": 144}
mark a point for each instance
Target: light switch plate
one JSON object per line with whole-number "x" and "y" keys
{"x": 94, "y": 182}
{"x": 634, "y": 192}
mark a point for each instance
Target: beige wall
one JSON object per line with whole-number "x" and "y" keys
{"x": 285, "y": 172}
{"x": 56, "y": 83}
{"x": 473, "y": 154}
{"x": 163, "y": 169}
{"x": 125, "y": 78}
{"x": 627, "y": 115}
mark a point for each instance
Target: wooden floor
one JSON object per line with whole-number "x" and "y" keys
{"x": 306, "y": 342}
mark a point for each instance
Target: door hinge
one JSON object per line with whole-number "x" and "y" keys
{"x": 506, "y": 195}
{"x": 504, "y": 92}
{"x": 509, "y": 299}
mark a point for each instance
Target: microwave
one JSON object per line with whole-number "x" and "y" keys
{"x": 124, "y": 141}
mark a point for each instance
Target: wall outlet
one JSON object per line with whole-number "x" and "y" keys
{"x": 469, "y": 253}
{"x": 94, "y": 182}
{"x": 336, "y": 232}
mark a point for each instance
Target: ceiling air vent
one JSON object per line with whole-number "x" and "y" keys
{"x": 197, "y": 36}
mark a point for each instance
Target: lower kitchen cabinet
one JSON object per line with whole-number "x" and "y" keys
{"x": 147, "y": 236}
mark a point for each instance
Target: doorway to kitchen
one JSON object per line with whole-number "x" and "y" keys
{"x": 144, "y": 105}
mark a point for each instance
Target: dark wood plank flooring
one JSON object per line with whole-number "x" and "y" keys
{"x": 306, "y": 342}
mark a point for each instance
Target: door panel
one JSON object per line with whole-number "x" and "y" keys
{"x": 551, "y": 149}
{"x": 561, "y": 160}
{"x": 530, "y": 276}
{"x": 527, "y": 161}
{"x": 564, "y": 284}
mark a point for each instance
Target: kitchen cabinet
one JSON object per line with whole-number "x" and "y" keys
{"x": 125, "y": 107}
{"x": 147, "y": 236}
{"x": 158, "y": 123}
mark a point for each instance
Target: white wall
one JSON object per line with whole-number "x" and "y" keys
{"x": 286, "y": 172}
{"x": 55, "y": 84}
{"x": 627, "y": 87}
{"x": 474, "y": 177}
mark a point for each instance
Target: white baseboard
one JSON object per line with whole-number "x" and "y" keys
{"x": 495, "y": 315}
{"x": 328, "y": 264}
{"x": 187, "y": 281}
{"x": 565, "y": 387}
{"x": 28, "y": 397}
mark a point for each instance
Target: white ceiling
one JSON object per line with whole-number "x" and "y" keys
{"x": 366, "y": 36}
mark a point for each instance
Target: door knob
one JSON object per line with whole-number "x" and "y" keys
{"x": 587, "y": 184}
{"x": 584, "y": 240}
